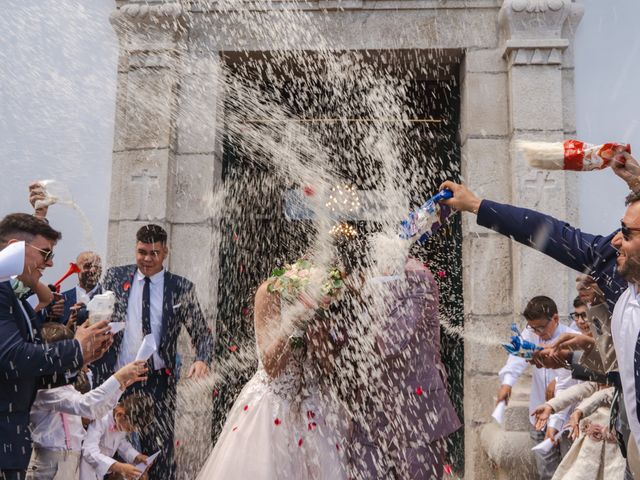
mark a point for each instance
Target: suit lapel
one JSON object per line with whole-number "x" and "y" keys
{"x": 167, "y": 305}
{"x": 123, "y": 287}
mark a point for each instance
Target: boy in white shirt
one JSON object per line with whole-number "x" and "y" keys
{"x": 56, "y": 416}
{"x": 543, "y": 328}
{"x": 109, "y": 434}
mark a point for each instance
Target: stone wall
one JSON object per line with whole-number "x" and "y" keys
{"x": 517, "y": 82}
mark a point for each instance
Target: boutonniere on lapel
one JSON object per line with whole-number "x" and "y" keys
{"x": 126, "y": 285}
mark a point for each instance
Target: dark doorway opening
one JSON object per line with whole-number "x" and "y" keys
{"x": 256, "y": 235}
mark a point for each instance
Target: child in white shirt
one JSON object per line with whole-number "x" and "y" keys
{"x": 56, "y": 416}
{"x": 109, "y": 434}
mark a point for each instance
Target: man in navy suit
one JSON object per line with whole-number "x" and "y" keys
{"x": 151, "y": 300}
{"x": 23, "y": 360}
{"x": 90, "y": 266}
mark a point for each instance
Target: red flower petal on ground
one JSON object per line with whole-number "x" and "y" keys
{"x": 246, "y": 407}
{"x": 126, "y": 286}
{"x": 308, "y": 191}
{"x": 337, "y": 447}
{"x": 312, "y": 425}
{"x": 310, "y": 414}
{"x": 234, "y": 429}
{"x": 442, "y": 274}
{"x": 300, "y": 442}
{"x": 215, "y": 393}
{"x": 277, "y": 421}
{"x": 235, "y": 237}
{"x": 167, "y": 372}
{"x": 447, "y": 469}
{"x": 177, "y": 443}
{"x": 419, "y": 391}
{"x": 233, "y": 348}
{"x": 245, "y": 311}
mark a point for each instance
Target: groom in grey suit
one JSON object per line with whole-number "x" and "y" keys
{"x": 404, "y": 414}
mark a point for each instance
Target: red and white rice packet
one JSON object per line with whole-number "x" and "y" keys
{"x": 570, "y": 154}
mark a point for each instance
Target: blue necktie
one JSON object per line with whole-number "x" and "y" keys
{"x": 636, "y": 371}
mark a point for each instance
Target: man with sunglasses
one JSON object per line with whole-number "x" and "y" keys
{"x": 543, "y": 327}
{"x": 23, "y": 359}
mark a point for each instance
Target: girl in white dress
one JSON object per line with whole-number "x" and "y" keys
{"x": 285, "y": 424}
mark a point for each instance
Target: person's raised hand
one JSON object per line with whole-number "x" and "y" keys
{"x": 128, "y": 471}
{"x": 94, "y": 340}
{"x": 542, "y": 414}
{"x": 627, "y": 168}
{"x": 36, "y": 193}
{"x": 549, "y": 358}
{"x": 551, "y": 434}
{"x": 131, "y": 373}
{"x": 56, "y": 309}
{"x": 197, "y": 370}
{"x": 504, "y": 394}
{"x": 574, "y": 423}
{"x": 573, "y": 341}
{"x": 463, "y": 198}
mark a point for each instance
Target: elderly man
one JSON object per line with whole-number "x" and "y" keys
{"x": 23, "y": 359}
{"x": 90, "y": 266}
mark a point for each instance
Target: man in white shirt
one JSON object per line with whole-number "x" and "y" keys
{"x": 543, "y": 327}
{"x": 625, "y": 324}
{"x": 152, "y": 301}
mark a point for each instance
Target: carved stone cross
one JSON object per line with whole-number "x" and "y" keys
{"x": 144, "y": 182}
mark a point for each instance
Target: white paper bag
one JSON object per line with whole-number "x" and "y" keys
{"x": 116, "y": 327}
{"x": 147, "y": 348}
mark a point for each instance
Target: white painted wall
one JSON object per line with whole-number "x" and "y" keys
{"x": 57, "y": 96}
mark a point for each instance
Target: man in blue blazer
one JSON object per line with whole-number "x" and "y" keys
{"x": 151, "y": 300}
{"x": 590, "y": 254}
{"x": 23, "y": 360}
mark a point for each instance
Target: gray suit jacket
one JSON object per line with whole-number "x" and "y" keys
{"x": 406, "y": 402}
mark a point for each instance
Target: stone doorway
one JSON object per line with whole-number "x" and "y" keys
{"x": 257, "y": 236}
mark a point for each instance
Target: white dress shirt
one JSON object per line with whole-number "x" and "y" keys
{"x": 47, "y": 430}
{"x": 100, "y": 444}
{"x": 80, "y": 292}
{"x": 132, "y": 337}
{"x": 625, "y": 326}
{"x": 541, "y": 377}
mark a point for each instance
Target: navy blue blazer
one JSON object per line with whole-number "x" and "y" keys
{"x": 22, "y": 363}
{"x": 180, "y": 307}
{"x": 584, "y": 252}
{"x": 69, "y": 297}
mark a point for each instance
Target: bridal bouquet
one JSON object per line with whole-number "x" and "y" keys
{"x": 294, "y": 282}
{"x": 299, "y": 285}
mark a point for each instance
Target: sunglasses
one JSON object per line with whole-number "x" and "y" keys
{"x": 46, "y": 254}
{"x": 574, "y": 315}
{"x": 626, "y": 231}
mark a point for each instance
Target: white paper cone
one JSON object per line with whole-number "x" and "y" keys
{"x": 544, "y": 447}
{"x": 11, "y": 261}
{"x": 498, "y": 412}
{"x": 116, "y": 327}
{"x": 147, "y": 348}
{"x": 142, "y": 466}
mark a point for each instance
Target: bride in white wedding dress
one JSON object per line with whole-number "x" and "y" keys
{"x": 284, "y": 424}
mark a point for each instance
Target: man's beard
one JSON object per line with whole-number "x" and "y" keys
{"x": 630, "y": 269}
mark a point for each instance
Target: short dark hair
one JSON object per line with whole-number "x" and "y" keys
{"x": 577, "y": 302}
{"x": 138, "y": 410}
{"x": 52, "y": 332}
{"x": 540, "y": 307}
{"x": 22, "y": 226}
{"x": 151, "y": 234}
